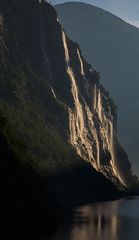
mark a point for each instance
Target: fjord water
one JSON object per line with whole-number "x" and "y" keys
{"x": 115, "y": 220}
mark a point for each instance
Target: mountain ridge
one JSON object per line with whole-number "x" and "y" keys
{"x": 99, "y": 9}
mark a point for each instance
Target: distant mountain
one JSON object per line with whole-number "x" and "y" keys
{"x": 126, "y": 9}
{"x": 112, "y": 46}
{"x": 58, "y": 125}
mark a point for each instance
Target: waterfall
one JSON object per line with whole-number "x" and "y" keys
{"x": 83, "y": 132}
{"x": 76, "y": 116}
{"x": 53, "y": 92}
{"x": 81, "y": 62}
{"x": 98, "y": 152}
{"x": 65, "y": 47}
{"x": 99, "y": 106}
{"x": 112, "y": 150}
{"x": 77, "y": 125}
{"x": 95, "y": 97}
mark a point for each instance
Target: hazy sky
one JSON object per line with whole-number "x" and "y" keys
{"x": 126, "y": 9}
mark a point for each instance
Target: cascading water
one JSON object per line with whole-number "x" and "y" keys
{"x": 95, "y": 97}
{"x": 90, "y": 139}
{"x": 78, "y": 131}
{"x": 81, "y": 62}
{"x": 112, "y": 150}
{"x": 53, "y": 92}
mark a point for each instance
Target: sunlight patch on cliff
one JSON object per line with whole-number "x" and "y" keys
{"x": 90, "y": 140}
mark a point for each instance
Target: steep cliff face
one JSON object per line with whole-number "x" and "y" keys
{"x": 92, "y": 120}
{"x": 56, "y": 110}
{"x": 112, "y": 45}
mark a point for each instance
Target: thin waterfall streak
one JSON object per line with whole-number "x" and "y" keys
{"x": 99, "y": 106}
{"x": 112, "y": 149}
{"x": 94, "y": 98}
{"x": 65, "y": 47}
{"x": 53, "y": 92}
{"x": 98, "y": 152}
{"x": 81, "y": 63}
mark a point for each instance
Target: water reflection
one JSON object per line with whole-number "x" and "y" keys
{"x": 118, "y": 220}
{"x": 97, "y": 222}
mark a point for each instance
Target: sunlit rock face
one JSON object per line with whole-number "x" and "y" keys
{"x": 88, "y": 121}
{"x": 92, "y": 122}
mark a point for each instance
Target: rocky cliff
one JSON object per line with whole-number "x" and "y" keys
{"x": 57, "y": 121}
{"x": 112, "y": 46}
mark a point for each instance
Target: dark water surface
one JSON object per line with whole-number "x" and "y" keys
{"x": 117, "y": 220}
